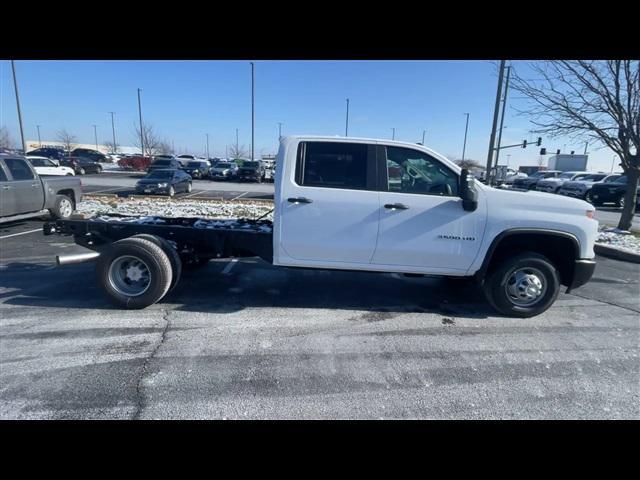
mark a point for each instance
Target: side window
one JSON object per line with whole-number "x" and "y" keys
{"x": 332, "y": 165}
{"x": 37, "y": 162}
{"x": 19, "y": 169}
{"x": 411, "y": 171}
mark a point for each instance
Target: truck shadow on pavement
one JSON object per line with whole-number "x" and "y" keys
{"x": 255, "y": 284}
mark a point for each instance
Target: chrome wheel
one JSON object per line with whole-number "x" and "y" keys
{"x": 525, "y": 286}
{"x": 129, "y": 276}
{"x": 66, "y": 208}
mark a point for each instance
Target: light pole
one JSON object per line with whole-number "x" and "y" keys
{"x": 141, "y": 127}
{"x": 280, "y": 130}
{"x": 393, "y": 134}
{"x": 237, "y": 146}
{"x": 504, "y": 108}
{"x": 113, "y": 130}
{"x": 464, "y": 144}
{"x": 208, "y": 147}
{"x": 613, "y": 161}
{"x": 508, "y": 158}
{"x": 15, "y": 85}
{"x": 346, "y": 127}
{"x": 494, "y": 126}
{"x": 39, "y": 140}
{"x": 424, "y": 132}
{"x": 253, "y": 116}
{"x": 95, "y": 135}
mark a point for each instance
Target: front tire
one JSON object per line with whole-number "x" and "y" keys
{"x": 81, "y": 171}
{"x": 172, "y": 191}
{"x": 189, "y": 187}
{"x": 134, "y": 272}
{"x": 620, "y": 202}
{"x": 588, "y": 197}
{"x": 523, "y": 286}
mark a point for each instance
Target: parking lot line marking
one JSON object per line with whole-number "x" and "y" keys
{"x": 229, "y": 266}
{"x": 21, "y": 233}
{"x": 106, "y": 190}
{"x": 194, "y": 193}
{"x": 241, "y": 195}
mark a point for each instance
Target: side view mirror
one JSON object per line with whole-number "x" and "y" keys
{"x": 467, "y": 191}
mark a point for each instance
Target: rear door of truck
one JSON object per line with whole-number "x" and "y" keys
{"x": 329, "y": 207}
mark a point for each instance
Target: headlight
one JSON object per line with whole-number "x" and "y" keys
{"x": 196, "y": 171}
{"x": 163, "y": 185}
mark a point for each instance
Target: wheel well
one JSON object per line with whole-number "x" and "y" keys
{"x": 68, "y": 193}
{"x": 561, "y": 250}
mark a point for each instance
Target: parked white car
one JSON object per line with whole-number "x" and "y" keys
{"x": 46, "y": 166}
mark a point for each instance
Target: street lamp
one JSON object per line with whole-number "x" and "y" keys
{"x": 423, "y": 134}
{"x": 39, "y": 140}
{"x": 346, "y": 128}
{"x": 393, "y": 134}
{"x": 280, "y": 130}
{"x": 208, "y": 156}
{"x": 466, "y": 128}
{"x": 95, "y": 135}
{"x": 113, "y": 130}
{"x": 15, "y": 85}
{"x": 253, "y": 116}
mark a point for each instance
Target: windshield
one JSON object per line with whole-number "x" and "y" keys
{"x": 161, "y": 174}
{"x": 250, "y": 164}
{"x": 194, "y": 165}
{"x": 612, "y": 178}
{"x": 550, "y": 175}
{"x": 162, "y": 162}
{"x": 593, "y": 178}
{"x": 186, "y": 156}
{"x": 536, "y": 174}
{"x": 622, "y": 179}
{"x": 567, "y": 175}
{"x": 223, "y": 165}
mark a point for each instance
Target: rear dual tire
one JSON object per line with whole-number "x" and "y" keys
{"x": 138, "y": 271}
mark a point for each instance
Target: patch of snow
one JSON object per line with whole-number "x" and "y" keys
{"x": 620, "y": 239}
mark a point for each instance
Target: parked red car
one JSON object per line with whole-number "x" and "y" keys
{"x": 137, "y": 163}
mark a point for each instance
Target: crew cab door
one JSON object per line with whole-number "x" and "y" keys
{"x": 423, "y": 226}
{"x": 25, "y": 189}
{"x": 328, "y": 206}
{"x": 7, "y": 199}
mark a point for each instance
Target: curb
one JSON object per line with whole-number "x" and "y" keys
{"x": 617, "y": 253}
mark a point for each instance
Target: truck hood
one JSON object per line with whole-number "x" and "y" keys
{"x": 539, "y": 202}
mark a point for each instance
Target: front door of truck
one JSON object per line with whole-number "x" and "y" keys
{"x": 422, "y": 222}
{"x": 328, "y": 211}
{"x": 25, "y": 187}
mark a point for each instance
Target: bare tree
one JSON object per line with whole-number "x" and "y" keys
{"x": 67, "y": 139}
{"x": 6, "y": 142}
{"x": 467, "y": 163}
{"x": 153, "y": 144}
{"x": 112, "y": 147}
{"x": 238, "y": 153}
{"x": 590, "y": 100}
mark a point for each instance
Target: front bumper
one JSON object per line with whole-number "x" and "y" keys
{"x": 583, "y": 269}
{"x": 605, "y": 196}
{"x": 152, "y": 190}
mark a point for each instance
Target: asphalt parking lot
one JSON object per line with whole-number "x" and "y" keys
{"x": 246, "y": 340}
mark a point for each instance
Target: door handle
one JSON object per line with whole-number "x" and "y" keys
{"x": 6, "y": 187}
{"x": 299, "y": 200}
{"x": 396, "y": 206}
{"x": 34, "y": 185}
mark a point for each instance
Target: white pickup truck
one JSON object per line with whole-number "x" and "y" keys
{"x": 362, "y": 204}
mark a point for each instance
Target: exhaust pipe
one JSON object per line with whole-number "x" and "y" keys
{"x": 62, "y": 260}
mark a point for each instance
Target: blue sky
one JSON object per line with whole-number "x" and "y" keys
{"x": 184, "y": 100}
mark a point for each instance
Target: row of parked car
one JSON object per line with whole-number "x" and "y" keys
{"x": 215, "y": 168}
{"x": 596, "y": 188}
{"x": 57, "y": 161}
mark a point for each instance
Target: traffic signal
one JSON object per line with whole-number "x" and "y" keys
{"x": 539, "y": 142}
{"x": 543, "y": 151}
{"x": 524, "y": 144}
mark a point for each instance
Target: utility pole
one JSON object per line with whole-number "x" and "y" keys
{"x": 113, "y": 130}
{"x": 423, "y": 134}
{"x": 237, "y": 152}
{"x": 464, "y": 144}
{"x": 346, "y": 128}
{"x": 393, "y": 134}
{"x": 253, "y": 117}
{"x": 95, "y": 135}
{"x": 15, "y": 85}
{"x": 586, "y": 144}
{"x": 508, "y": 158}
{"x": 207, "y": 146}
{"x": 504, "y": 108}
{"x": 141, "y": 128}
{"x": 39, "y": 141}
{"x": 280, "y": 131}
{"x": 495, "y": 123}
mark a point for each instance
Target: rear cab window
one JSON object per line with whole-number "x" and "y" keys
{"x": 338, "y": 165}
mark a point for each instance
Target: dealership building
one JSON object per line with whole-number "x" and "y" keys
{"x": 33, "y": 144}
